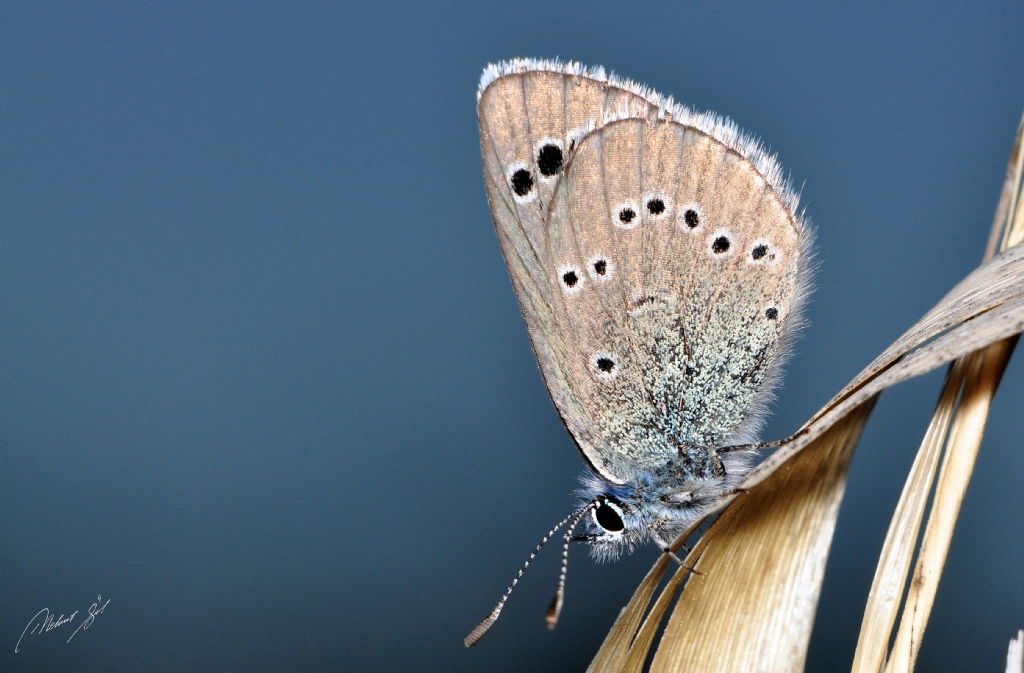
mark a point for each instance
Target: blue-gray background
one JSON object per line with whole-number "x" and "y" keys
{"x": 265, "y": 385}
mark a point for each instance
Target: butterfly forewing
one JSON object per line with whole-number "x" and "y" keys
{"x": 529, "y": 124}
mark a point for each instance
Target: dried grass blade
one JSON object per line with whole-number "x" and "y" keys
{"x": 615, "y": 649}
{"x": 753, "y": 607}
{"x": 992, "y": 284}
{"x": 622, "y": 640}
{"x": 897, "y": 551}
{"x": 642, "y": 644}
{"x": 1013, "y": 229}
{"x": 985, "y": 369}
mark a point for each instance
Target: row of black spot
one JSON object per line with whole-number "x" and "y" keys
{"x": 718, "y": 246}
{"x": 656, "y": 207}
{"x": 570, "y": 279}
{"x": 691, "y": 217}
{"x": 549, "y": 162}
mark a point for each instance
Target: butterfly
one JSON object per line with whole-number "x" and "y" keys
{"x": 660, "y": 265}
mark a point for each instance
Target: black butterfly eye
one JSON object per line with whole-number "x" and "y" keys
{"x": 608, "y": 518}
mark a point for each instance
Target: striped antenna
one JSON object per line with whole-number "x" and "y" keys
{"x": 556, "y": 602}
{"x": 482, "y": 628}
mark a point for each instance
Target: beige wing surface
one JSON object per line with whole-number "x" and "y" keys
{"x": 655, "y": 262}
{"x": 688, "y": 263}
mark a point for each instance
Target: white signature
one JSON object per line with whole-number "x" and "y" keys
{"x": 45, "y": 620}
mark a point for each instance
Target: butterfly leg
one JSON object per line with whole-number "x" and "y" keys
{"x": 715, "y": 495}
{"x": 758, "y": 446}
{"x": 667, "y": 549}
{"x": 697, "y": 499}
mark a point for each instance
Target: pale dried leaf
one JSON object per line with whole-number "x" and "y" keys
{"x": 1013, "y": 229}
{"x": 984, "y": 370}
{"x": 620, "y": 642}
{"x": 901, "y": 539}
{"x": 612, "y": 655}
{"x": 642, "y": 643}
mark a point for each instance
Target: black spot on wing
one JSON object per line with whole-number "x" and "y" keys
{"x": 549, "y": 160}
{"x": 522, "y": 182}
{"x": 691, "y": 218}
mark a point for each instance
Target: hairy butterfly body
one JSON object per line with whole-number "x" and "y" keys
{"x": 660, "y": 266}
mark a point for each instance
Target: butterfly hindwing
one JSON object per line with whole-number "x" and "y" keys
{"x": 692, "y": 314}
